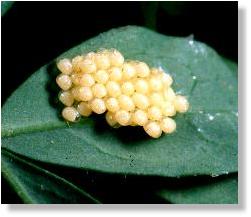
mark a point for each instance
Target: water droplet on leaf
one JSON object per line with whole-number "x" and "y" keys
{"x": 210, "y": 117}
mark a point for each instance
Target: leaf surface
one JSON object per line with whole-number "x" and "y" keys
{"x": 206, "y": 138}
{"x": 33, "y": 184}
{"x": 223, "y": 191}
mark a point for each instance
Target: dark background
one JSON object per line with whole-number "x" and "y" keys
{"x": 34, "y": 33}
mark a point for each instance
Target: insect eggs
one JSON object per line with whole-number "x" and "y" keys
{"x": 130, "y": 93}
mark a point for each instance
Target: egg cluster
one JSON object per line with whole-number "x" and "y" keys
{"x": 129, "y": 92}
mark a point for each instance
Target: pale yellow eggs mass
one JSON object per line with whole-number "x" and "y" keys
{"x": 128, "y": 92}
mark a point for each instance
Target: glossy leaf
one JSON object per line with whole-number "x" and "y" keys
{"x": 33, "y": 184}
{"x": 206, "y": 138}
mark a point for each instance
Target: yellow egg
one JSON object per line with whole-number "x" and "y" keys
{"x": 139, "y": 117}
{"x": 127, "y": 88}
{"x": 142, "y": 69}
{"x": 168, "y": 109}
{"x": 99, "y": 90}
{"x": 155, "y": 71}
{"x": 166, "y": 79}
{"x": 64, "y": 81}
{"x": 82, "y": 93}
{"x": 98, "y": 106}
{"x": 87, "y": 66}
{"x": 112, "y": 104}
{"x": 113, "y": 88}
{"x": 115, "y": 74}
{"x": 155, "y": 84}
{"x": 86, "y": 80}
{"x": 101, "y": 76}
{"x": 154, "y": 113}
{"x": 141, "y": 86}
{"x": 110, "y": 119}
{"x": 153, "y": 129}
{"x": 156, "y": 99}
{"x": 169, "y": 94}
{"x": 140, "y": 100}
{"x": 128, "y": 71}
{"x": 76, "y": 63}
{"x": 181, "y": 104}
{"x": 75, "y": 78}
{"x": 84, "y": 109}
{"x": 168, "y": 125}
{"x": 66, "y": 98}
{"x": 126, "y": 103}
{"x": 123, "y": 117}
{"x": 65, "y": 66}
{"x": 116, "y": 58}
{"x": 70, "y": 114}
{"x": 102, "y": 60}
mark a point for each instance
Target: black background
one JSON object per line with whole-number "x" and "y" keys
{"x": 34, "y": 33}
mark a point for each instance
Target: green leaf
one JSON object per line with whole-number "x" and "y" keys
{"x": 206, "y": 138}
{"x": 5, "y": 6}
{"x": 232, "y": 65}
{"x": 33, "y": 184}
{"x": 222, "y": 190}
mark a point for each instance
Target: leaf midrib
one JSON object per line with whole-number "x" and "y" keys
{"x": 6, "y": 133}
{"x": 103, "y": 151}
